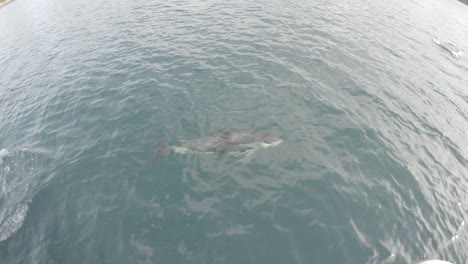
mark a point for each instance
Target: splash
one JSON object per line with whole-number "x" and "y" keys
{"x": 13, "y": 221}
{"x": 20, "y": 179}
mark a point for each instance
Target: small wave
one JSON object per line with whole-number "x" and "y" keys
{"x": 13, "y": 222}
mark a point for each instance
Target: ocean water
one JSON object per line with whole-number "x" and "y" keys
{"x": 370, "y": 99}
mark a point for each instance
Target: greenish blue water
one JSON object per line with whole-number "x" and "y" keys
{"x": 369, "y": 97}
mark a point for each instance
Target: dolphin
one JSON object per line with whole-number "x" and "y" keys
{"x": 230, "y": 142}
{"x": 449, "y": 47}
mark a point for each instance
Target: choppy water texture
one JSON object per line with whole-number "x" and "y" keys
{"x": 369, "y": 97}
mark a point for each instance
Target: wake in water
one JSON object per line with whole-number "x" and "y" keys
{"x": 447, "y": 243}
{"x": 20, "y": 179}
{"x": 458, "y": 232}
{"x": 13, "y": 220}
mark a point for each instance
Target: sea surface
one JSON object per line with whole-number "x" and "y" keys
{"x": 370, "y": 99}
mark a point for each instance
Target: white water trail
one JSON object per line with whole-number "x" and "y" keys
{"x": 21, "y": 174}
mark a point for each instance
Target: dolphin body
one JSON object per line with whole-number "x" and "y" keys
{"x": 228, "y": 142}
{"x": 239, "y": 143}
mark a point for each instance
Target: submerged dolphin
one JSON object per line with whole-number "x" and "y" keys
{"x": 233, "y": 142}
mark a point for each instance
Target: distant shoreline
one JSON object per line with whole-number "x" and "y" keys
{"x": 4, "y": 2}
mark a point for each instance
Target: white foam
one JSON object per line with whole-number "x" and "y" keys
{"x": 13, "y": 222}
{"x": 457, "y": 54}
{"x": 18, "y": 184}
